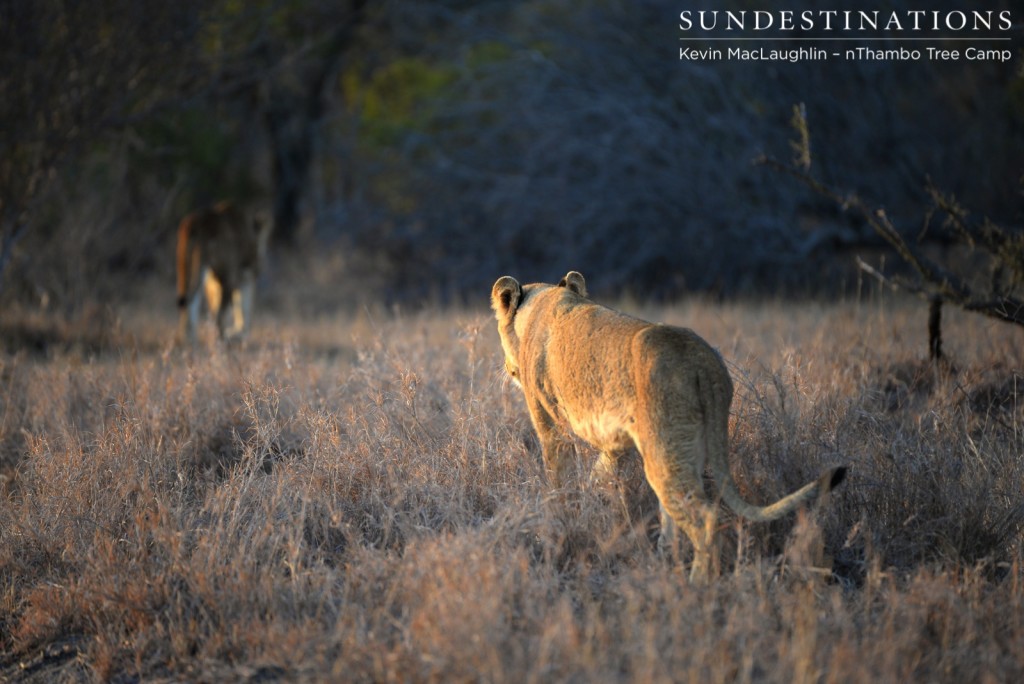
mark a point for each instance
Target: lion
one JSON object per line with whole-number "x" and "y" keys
{"x": 220, "y": 251}
{"x": 619, "y": 383}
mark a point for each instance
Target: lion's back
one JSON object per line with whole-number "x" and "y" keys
{"x": 228, "y": 240}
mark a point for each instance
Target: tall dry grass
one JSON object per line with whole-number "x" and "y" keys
{"x": 359, "y": 498}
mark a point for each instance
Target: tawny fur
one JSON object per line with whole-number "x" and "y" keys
{"x": 619, "y": 382}
{"x": 220, "y": 252}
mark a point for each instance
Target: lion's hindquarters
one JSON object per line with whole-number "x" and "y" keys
{"x": 675, "y": 430}
{"x": 707, "y": 380}
{"x": 683, "y": 397}
{"x": 220, "y": 251}
{"x": 674, "y": 434}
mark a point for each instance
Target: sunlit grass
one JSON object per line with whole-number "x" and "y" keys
{"x": 358, "y": 497}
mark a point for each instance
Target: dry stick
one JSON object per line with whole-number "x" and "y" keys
{"x": 935, "y": 328}
{"x": 934, "y": 306}
{"x": 989, "y": 235}
{"x": 942, "y": 283}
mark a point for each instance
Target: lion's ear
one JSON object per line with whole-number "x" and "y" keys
{"x": 574, "y": 281}
{"x": 505, "y": 296}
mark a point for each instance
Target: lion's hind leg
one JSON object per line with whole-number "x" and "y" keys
{"x": 698, "y": 519}
{"x": 243, "y": 315}
{"x": 219, "y": 306}
{"x": 190, "y": 307}
{"x": 557, "y": 451}
{"x": 239, "y": 312}
{"x": 605, "y": 470}
{"x": 683, "y": 503}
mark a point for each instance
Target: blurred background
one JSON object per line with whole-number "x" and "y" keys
{"x": 414, "y": 151}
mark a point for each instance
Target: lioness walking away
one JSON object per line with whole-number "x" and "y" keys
{"x": 619, "y": 382}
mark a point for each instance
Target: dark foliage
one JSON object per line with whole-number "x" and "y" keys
{"x": 447, "y": 143}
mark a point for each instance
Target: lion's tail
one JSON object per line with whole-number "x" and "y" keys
{"x": 717, "y": 446}
{"x": 184, "y": 260}
{"x": 827, "y": 482}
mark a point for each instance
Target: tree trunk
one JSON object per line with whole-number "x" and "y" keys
{"x": 291, "y": 120}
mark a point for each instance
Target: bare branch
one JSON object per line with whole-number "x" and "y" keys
{"x": 937, "y": 280}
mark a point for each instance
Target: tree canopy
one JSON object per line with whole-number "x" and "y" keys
{"x": 451, "y": 142}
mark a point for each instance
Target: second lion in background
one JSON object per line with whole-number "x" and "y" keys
{"x": 220, "y": 252}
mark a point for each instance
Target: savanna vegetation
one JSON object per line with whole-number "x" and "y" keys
{"x": 354, "y": 492}
{"x": 359, "y": 498}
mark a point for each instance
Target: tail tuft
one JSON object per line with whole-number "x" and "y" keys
{"x": 182, "y": 302}
{"x": 838, "y": 475}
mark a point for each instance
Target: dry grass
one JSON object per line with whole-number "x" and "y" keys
{"x": 359, "y": 498}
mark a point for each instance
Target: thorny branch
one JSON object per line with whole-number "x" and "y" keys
{"x": 936, "y": 281}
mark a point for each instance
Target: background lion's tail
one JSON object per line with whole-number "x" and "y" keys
{"x": 184, "y": 260}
